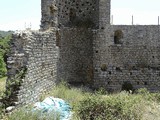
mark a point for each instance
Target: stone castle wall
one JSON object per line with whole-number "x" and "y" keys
{"x": 32, "y": 66}
{"x": 79, "y": 45}
{"x": 73, "y": 13}
{"x": 78, "y": 12}
{"x": 76, "y": 55}
{"x": 104, "y": 13}
{"x": 49, "y": 13}
{"x": 135, "y": 59}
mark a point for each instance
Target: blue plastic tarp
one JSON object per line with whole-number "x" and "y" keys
{"x": 51, "y": 104}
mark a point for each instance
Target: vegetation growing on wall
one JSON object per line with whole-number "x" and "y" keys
{"x": 117, "y": 36}
{"x": 12, "y": 86}
{"x": 4, "y": 48}
{"x": 103, "y": 67}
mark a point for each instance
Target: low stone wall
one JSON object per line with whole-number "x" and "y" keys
{"x": 32, "y": 66}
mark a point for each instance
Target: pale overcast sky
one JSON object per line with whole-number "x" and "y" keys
{"x": 15, "y": 13}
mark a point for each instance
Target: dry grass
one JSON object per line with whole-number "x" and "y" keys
{"x": 151, "y": 111}
{"x": 2, "y": 85}
{"x": 121, "y": 106}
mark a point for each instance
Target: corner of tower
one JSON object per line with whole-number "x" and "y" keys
{"x": 104, "y": 13}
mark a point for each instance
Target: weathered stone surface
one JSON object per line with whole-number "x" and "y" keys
{"x": 33, "y": 66}
{"x": 136, "y": 58}
{"x": 76, "y": 55}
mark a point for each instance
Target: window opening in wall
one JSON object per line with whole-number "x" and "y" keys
{"x": 145, "y": 83}
{"x": 102, "y": 28}
{"x": 118, "y": 35}
{"x": 109, "y": 82}
{"x": 118, "y": 69}
{"x": 72, "y": 14}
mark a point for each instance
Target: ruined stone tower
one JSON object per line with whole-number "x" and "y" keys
{"x": 71, "y": 13}
{"x": 77, "y": 19}
{"x": 76, "y": 43}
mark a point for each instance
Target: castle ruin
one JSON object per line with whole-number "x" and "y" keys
{"x": 77, "y": 43}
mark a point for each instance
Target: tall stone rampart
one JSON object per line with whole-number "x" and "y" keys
{"x": 32, "y": 66}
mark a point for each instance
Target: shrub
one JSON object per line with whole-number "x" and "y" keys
{"x": 4, "y": 48}
{"x": 147, "y": 95}
{"x": 1, "y": 110}
{"x": 156, "y": 97}
{"x": 114, "y": 107}
{"x": 101, "y": 91}
{"x": 153, "y": 97}
{"x": 92, "y": 108}
{"x": 2, "y": 67}
{"x": 143, "y": 91}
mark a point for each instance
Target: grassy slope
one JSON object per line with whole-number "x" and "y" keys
{"x": 121, "y": 106}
